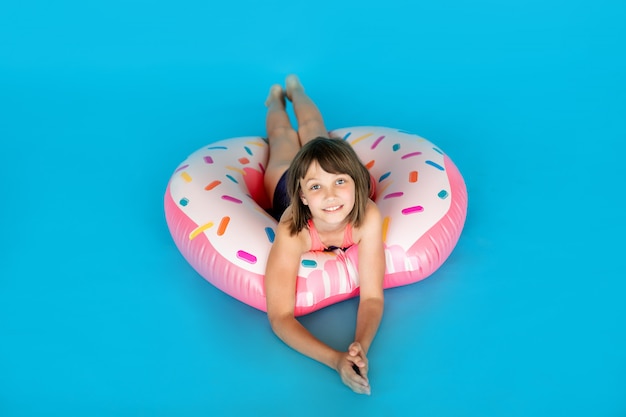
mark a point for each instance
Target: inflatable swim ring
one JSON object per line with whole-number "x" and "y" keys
{"x": 215, "y": 210}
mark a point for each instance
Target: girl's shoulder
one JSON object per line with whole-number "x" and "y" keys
{"x": 301, "y": 240}
{"x": 372, "y": 222}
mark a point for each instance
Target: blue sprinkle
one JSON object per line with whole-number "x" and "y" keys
{"x": 217, "y": 147}
{"x": 384, "y": 176}
{"x": 347, "y": 136}
{"x": 231, "y": 178}
{"x": 442, "y": 194}
{"x": 396, "y": 147}
{"x": 183, "y": 202}
{"x": 309, "y": 263}
{"x": 248, "y": 150}
{"x": 438, "y": 151}
{"x": 431, "y": 163}
{"x": 270, "y": 234}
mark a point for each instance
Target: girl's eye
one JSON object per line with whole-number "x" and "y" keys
{"x": 315, "y": 187}
{"x": 341, "y": 181}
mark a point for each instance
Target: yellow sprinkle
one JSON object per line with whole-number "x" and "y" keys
{"x": 359, "y": 139}
{"x": 386, "y": 221}
{"x": 195, "y": 232}
{"x": 257, "y": 143}
{"x": 236, "y": 170}
{"x": 186, "y": 176}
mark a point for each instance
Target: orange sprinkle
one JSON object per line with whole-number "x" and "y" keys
{"x": 243, "y": 160}
{"x": 413, "y": 176}
{"x": 386, "y": 221}
{"x": 223, "y": 225}
{"x": 370, "y": 164}
{"x": 212, "y": 185}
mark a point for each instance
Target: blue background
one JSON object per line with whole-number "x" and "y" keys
{"x": 100, "y": 101}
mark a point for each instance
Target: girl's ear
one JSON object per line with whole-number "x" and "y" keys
{"x": 303, "y": 199}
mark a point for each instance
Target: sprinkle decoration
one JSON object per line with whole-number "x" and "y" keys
{"x": 442, "y": 194}
{"x": 245, "y": 256}
{"x": 181, "y": 168}
{"x": 232, "y": 199}
{"x": 309, "y": 263}
{"x": 208, "y": 159}
{"x": 413, "y": 176}
{"x": 431, "y": 163}
{"x": 195, "y": 232}
{"x": 221, "y": 229}
{"x": 236, "y": 170}
{"x": 409, "y": 155}
{"x": 186, "y": 176}
{"x": 386, "y": 222}
{"x": 184, "y": 201}
{"x": 393, "y": 195}
{"x": 212, "y": 185}
{"x": 377, "y": 141}
{"x": 360, "y": 138}
{"x": 411, "y": 210}
{"x": 269, "y": 232}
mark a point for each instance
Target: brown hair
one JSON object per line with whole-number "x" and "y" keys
{"x": 337, "y": 157}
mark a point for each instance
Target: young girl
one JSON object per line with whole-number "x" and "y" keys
{"x": 320, "y": 192}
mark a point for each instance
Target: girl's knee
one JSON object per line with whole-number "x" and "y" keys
{"x": 282, "y": 132}
{"x": 311, "y": 129}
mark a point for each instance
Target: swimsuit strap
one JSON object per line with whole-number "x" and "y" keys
{"x": 316, "y": 242}
{"x": 347, "y": 237}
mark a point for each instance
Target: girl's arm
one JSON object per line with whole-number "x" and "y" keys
{"x": 280, "y": 290}
{"x": 371, "y": 273}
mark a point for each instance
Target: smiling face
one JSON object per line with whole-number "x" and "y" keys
{"x": 330, "y": 197}
{"x": 335, "y": 166}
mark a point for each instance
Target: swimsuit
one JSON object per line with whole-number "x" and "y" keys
{"x": 280, "y": 202}
{"x": 316, "y": 242}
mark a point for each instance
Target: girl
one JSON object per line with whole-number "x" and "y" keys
{"x": 319, "y": 190}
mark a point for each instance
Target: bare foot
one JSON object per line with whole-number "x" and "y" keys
{"x": 276, "y": 95}
{"x": 292, "y": 83}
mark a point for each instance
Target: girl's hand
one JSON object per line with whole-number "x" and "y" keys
{"x": 347, "y": 366}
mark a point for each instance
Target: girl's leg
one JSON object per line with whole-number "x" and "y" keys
{"x": 283, "y": 139}
{"x": 310, "y": 122}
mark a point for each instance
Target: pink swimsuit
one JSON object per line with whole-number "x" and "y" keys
{"x": 316, "y": 242}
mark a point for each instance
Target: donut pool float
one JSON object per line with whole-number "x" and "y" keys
{"x": 215, "y": 210}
